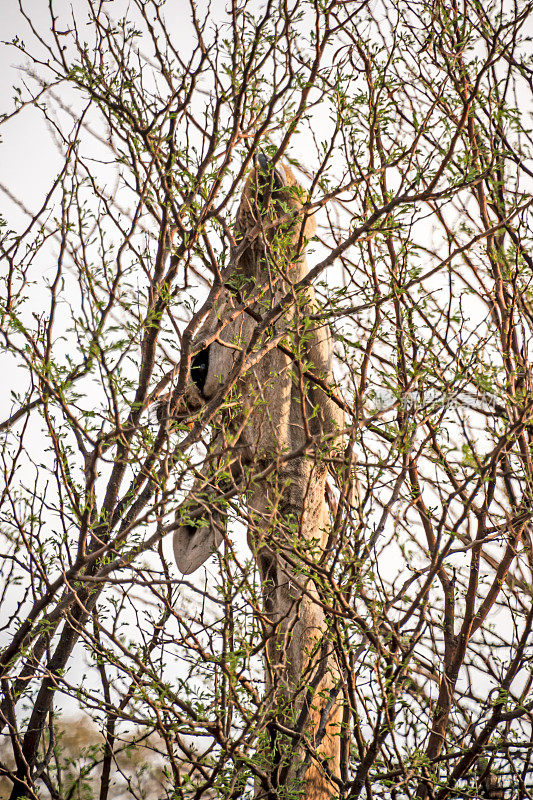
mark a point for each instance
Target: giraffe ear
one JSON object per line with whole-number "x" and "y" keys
{"x": 193, "y": 544}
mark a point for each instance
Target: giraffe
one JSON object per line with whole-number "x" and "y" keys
{"x": 275, "y": 436}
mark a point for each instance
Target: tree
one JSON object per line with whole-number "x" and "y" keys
{"x": 406, "y": 125}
